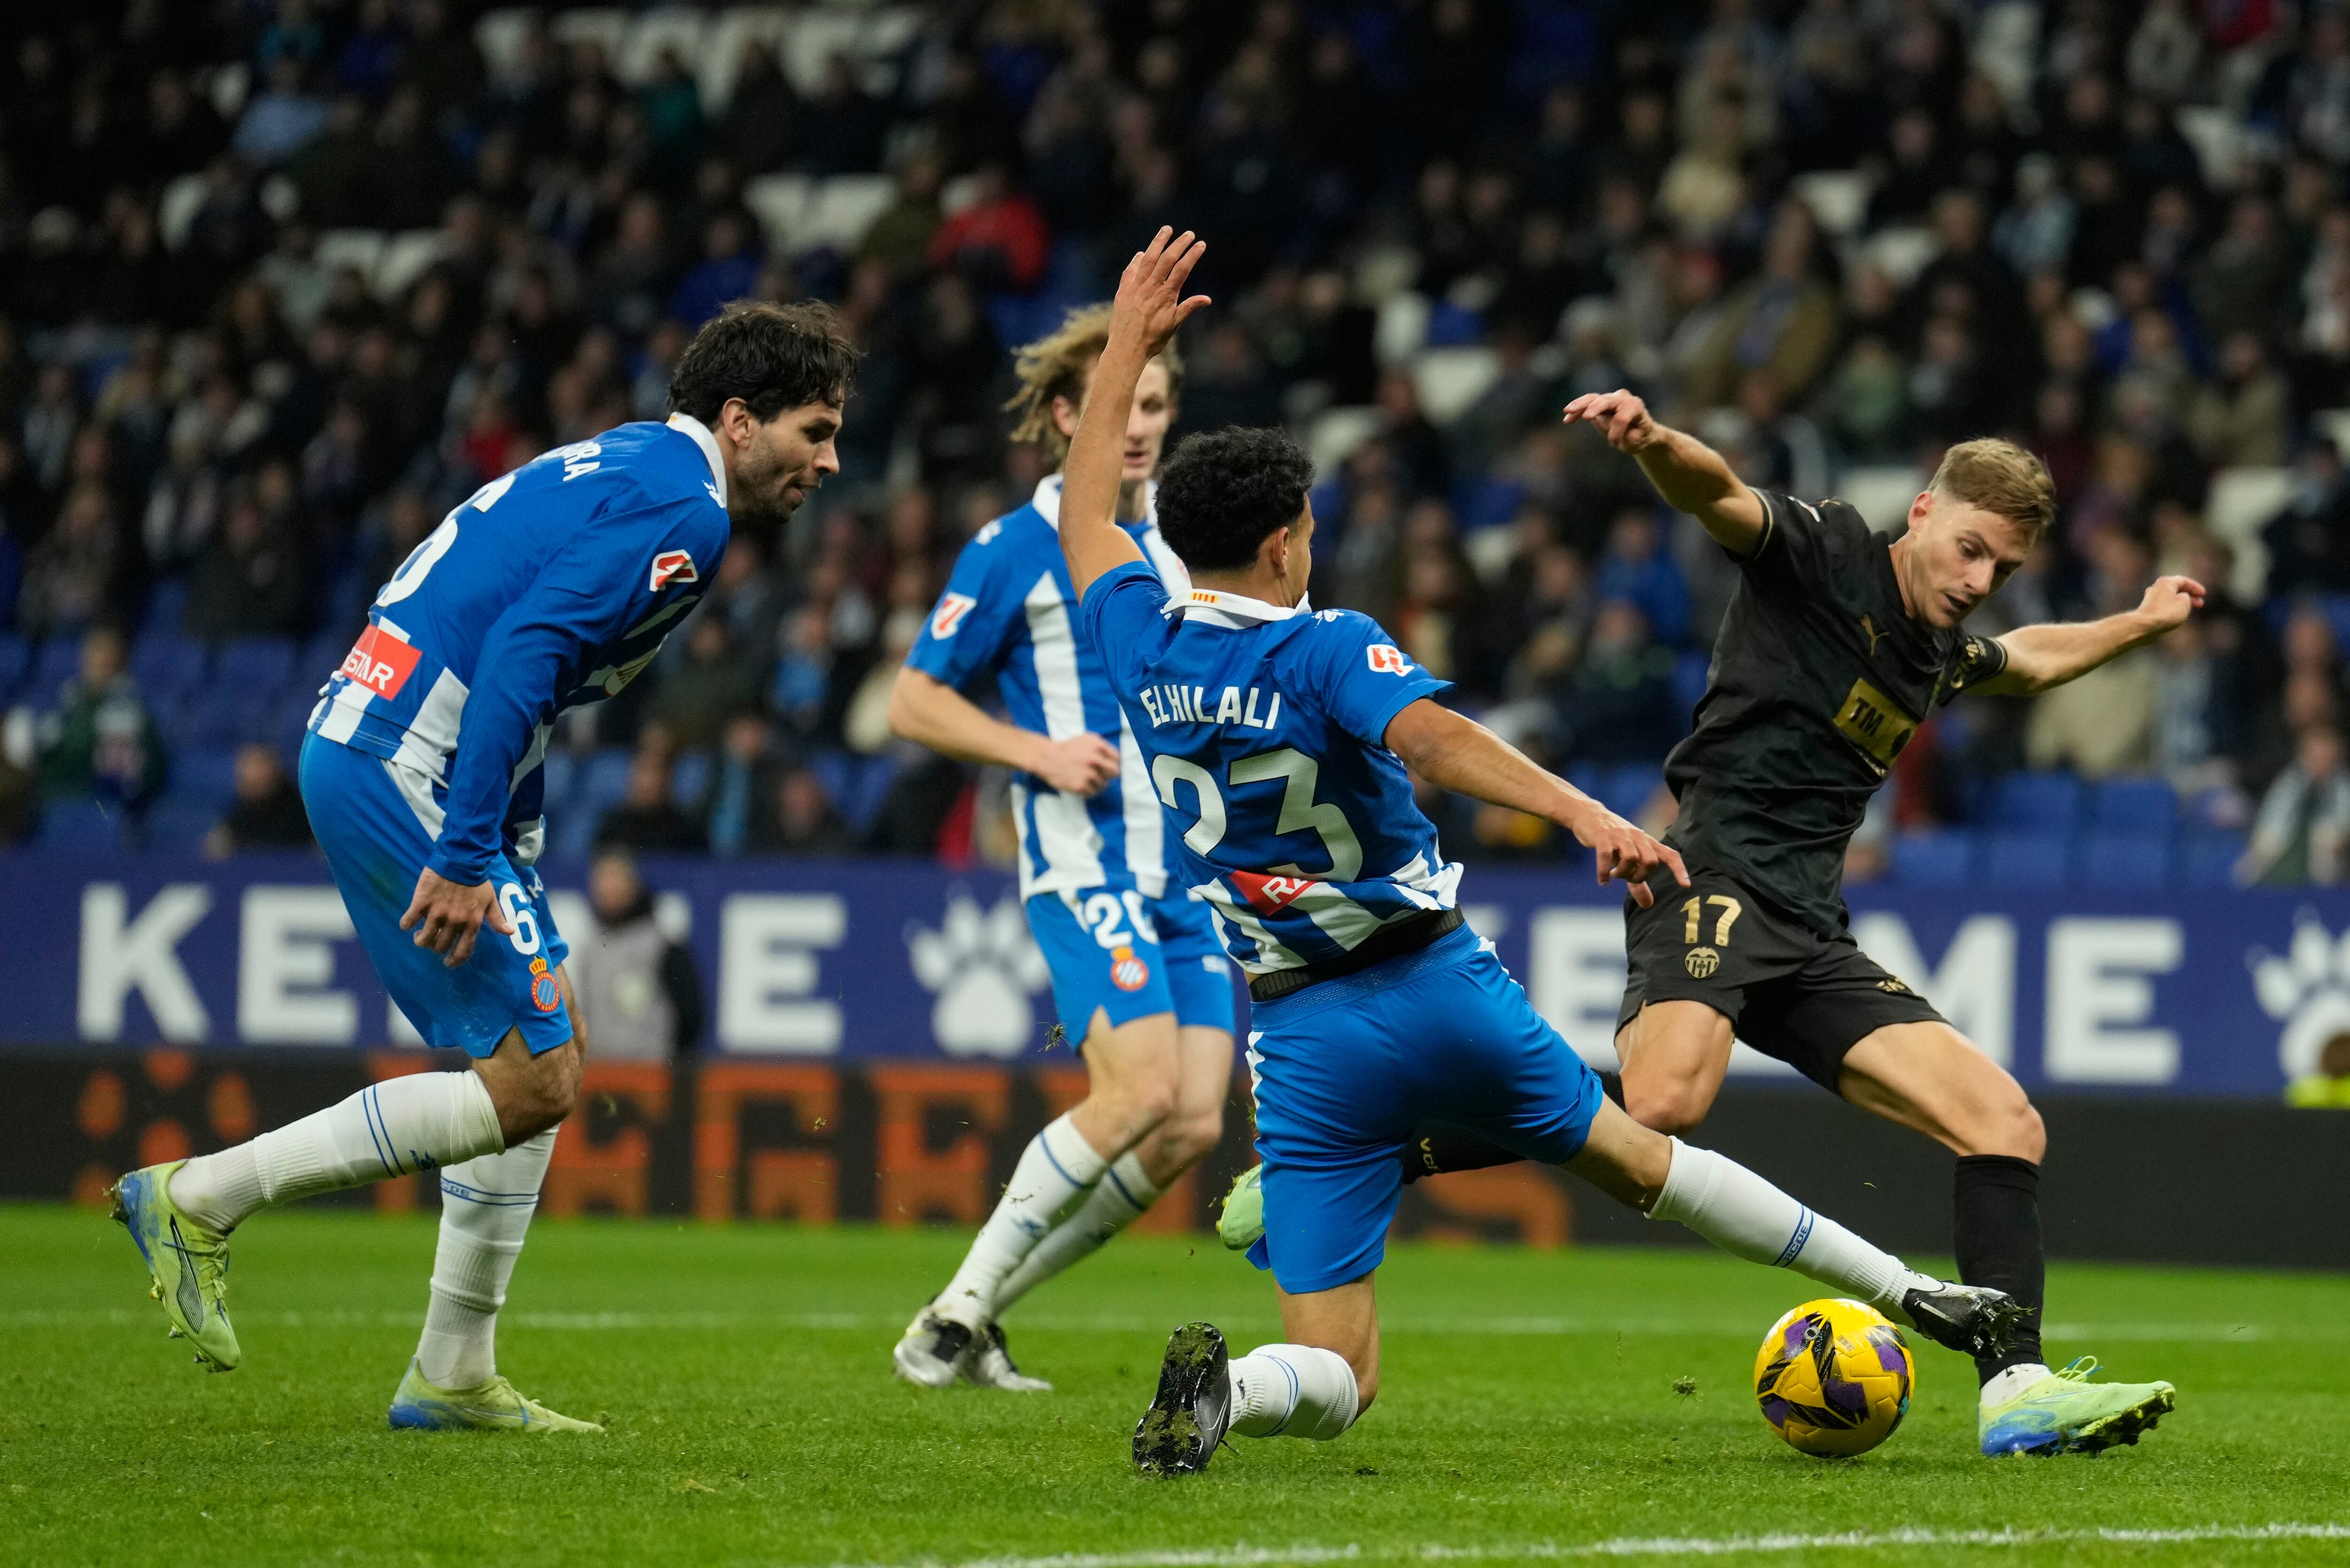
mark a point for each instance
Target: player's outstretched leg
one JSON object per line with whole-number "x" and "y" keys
{"x": 181, "y": 1214}
{"x": 1135, "y": 1073}
{"x": 1205, "y": 1394}
{"x": 451, "y": 1383}
{"x": 1925, "y": 1075}
{"x": 1749, "y": 1218}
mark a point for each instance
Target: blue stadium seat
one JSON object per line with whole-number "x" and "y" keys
{"x": 2035, "y": 803}
{"x": 80, "y": 827}
{"x": 177, "y": 823}
{"x": 691, "y": 783}
{"x": 2133, "y": 806}
{"x": 562, "y": 774}
{"x": 15, "y": 657}
{"x": 1585, "y": 777}
{"x": 1627, "y": 789}
{"x": 257, "y": 663}
{"x": 1934, "y": 860}
{"x": 2207, "y": 859}
{"x": 206, "y": 774}
{"x": 1689, "y": 671}
{"x": 602, "y": 780}
{"x": 166, "y": 665}
{"x": 321, "y": 658}
{"x": 166, "y": 602}
{"x": 58, "y": 661}
{"x": 868, "y": 787}
{"x": 2026, "y": 859}
{"x": 2125, "y": 859}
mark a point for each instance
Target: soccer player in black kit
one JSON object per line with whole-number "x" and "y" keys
{"x": 1836, "y": 646}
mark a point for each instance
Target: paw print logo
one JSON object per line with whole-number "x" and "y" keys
{"x": 2308, "y": 989}
{"x": 985, "y": 968}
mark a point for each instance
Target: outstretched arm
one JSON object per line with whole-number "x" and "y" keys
{"x": 1463, "y": 755}
{"x": 2039, "y": 657}
{"x": 1690, "y": 475}
{"x": 1150, "y": 307}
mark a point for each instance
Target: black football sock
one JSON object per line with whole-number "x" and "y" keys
{"x": 1997, "y": 1238}
{"x": 1441, "y": 1148}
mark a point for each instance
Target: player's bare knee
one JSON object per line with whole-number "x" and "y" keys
{"x": 2013, "y": 1127}
{"x": 1669, "y": 1109}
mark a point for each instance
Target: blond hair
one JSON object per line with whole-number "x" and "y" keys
{"x": 2003, "y": 478}
{"x": 1056, "y": 364}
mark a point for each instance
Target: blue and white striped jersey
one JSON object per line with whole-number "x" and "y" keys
{"x": 1009, "y": 608}
{"x": 1266, "y": 731}
{"x": 549, "y": 588}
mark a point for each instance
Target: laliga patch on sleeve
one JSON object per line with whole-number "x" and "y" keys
{"x": 947, "y": 619}
{"x": 380, "y": 663}
{"x": 670, "y": 568}
{"x": 1386, "y": 658}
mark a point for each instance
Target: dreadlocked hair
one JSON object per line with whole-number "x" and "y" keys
{"x": 1056, "y": 364}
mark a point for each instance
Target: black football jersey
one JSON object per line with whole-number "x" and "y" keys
{"x": 1820, "y": 678}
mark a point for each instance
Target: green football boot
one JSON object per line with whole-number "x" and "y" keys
{"x": 188, "y": 1261}
{"x": 494, "y": 1407}
{"x": 1242, "y": 1221}
{"x": 2064, "y": 1413}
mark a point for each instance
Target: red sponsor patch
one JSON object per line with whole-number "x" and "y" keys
{"x": 1271, "y": 895}
{"x": 1127, "y": 972}
{"x": 947, "y": 619}
{"x": 380, "y": 662}
{"x": 1388, "y": 659}
{"x": 670, "y": 568}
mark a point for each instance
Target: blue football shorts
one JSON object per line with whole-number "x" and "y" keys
{"x": 371, "y": 817}
{"x": 1345, "y": 1070}
{"x": 1131, "y": 956}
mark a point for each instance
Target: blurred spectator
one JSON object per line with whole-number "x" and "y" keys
{"x": 998, "y": 241}
{"x": 801, "y": 820}
{"x": 101, "y": 742}
{"x": 75, "y": 574}
{"x": 1637, "y": 570}
{"x": 640, "y": 994}
{"x": 249, "y": 582}
{"x": 2304, "y": 825}
{"x": 647, "y": 819}
{"x": 267, "y": 813}
{"x": 1617, "y": 705}
{"x": 697, "y": 696}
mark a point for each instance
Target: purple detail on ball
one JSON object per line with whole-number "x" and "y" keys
{"x": 1843, "y": 1396}
{"x": 1774, "y": 1410}
{"x": 1799, "y": 1333}
{"x": 1890, "y": 1354}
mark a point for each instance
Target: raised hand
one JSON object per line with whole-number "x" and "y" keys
{"x": 1621, "y": 417}
{"x": 1150, "y": 305}
{"x": 2170, "y": 601}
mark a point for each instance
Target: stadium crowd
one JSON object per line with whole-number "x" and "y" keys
{"x": 280, "y": 283}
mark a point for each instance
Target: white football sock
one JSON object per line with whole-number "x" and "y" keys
{"x": 1056, "y": 1167}
{"x": 486, "y": 1203}
{"x": 2007, "y": 1383}
{"x": 1291, "y": 1391}
{"x": 1117, "y": 1200}
{"x": 1748, "y": 1218}
{"x": 397, "y": 1128}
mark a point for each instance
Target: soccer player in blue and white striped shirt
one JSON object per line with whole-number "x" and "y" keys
{"x": 1138, "y": 976}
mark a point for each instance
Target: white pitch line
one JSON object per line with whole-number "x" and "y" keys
{"x": 1243, "y": 1556}
{"x": 1499, "y": 1327}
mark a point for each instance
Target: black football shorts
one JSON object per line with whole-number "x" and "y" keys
{"x": 1790, "y": 992}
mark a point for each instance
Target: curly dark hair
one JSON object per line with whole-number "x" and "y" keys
{"x": 1223, "y": 491}
{"x": 772, "y": 357}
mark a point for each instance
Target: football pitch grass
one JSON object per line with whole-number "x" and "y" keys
{"x": 1533, "y": 1410}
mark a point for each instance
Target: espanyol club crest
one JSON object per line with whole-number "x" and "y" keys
{"x": 545, "y": 994}
{"x": 671, "y": 567}
{"x": 1127, "y": 972}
